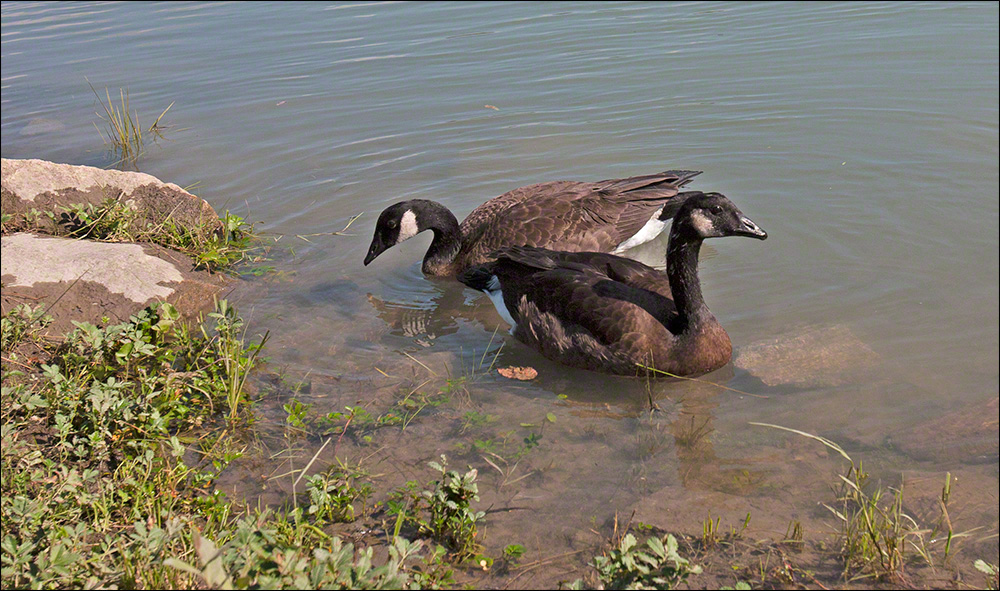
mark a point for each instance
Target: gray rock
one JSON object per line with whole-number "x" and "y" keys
{"x": 123, "y": 268}
{"x": 84, "y": 280}
{"x": 33, "y": 187}
{"x": 87, "y": 281}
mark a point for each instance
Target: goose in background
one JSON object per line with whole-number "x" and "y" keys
{"x": 605, "y": 216}
{"x": 610, "y": 314}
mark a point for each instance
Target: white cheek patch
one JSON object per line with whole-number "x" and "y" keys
{"x": 407, "y": 226}
{"x": 702, "y": 224}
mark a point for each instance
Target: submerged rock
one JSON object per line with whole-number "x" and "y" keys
{"x": 967, "y": 435}
{"x": 815, "y": 356}
{"x": 40, "y": 125}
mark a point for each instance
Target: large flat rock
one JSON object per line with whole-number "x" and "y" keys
{"x": 88, "y": 281}
{"x": 32, "y": 189}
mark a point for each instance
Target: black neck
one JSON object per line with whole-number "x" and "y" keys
{"x": 447, "y": 240}
{"x": 682, "y": 273}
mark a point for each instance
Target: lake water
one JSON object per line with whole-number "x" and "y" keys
{"x": 861, "y": 136}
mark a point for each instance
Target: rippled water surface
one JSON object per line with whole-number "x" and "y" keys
{"x": 861, "y": 136}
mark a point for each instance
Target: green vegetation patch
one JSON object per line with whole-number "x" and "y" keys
{"x": 112, "y": 440}
{"x": 232, "y": 243}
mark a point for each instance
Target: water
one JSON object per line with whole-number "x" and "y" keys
{"x": 861, "y": 136}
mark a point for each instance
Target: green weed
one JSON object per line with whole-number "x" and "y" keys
{"x": 475, "y": 420}
{"x": 334, "y": 493}
{"x": 22, "y": 322}
{"x": 111, "y": 445}
{"x": 657, "y": 565}
{"x": 282, "y": 554}
{"x": 513, "y": 552}
{"x": 877, "y": 536}
{"x": 447, "y": 503}
{"x": 233, "y": 243}
{"x": 236, "y": 359}
{"x": 122, "y": 130}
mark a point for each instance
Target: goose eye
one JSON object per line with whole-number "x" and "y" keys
{"x": 391, "y": 224}
{"x": 716, "y": 209}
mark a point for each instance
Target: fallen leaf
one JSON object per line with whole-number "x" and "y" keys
{"x": 491, "y": 107}
{"x": 518, "y": 373}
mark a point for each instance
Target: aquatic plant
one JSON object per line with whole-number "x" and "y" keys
{"x": 656, "y": 565}
{"x": 876, "y": 535}
{"x": 122, "y": 130}
{"x": 447, "y": 504}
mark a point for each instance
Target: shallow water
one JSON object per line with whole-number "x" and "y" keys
{"x": 861, "y": 136}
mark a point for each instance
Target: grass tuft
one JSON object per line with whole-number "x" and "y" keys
{"x": 122, "y": 130}
{"x": 877, "y": 537}
{"x": 234, "y": 244}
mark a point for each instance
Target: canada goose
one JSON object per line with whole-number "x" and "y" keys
{"x": 608, "y": 313}
{"x": 606, "y": 216}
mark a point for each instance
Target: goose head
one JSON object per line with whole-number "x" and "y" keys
{"x": 397, "y": 223}
{"x": 713, "y": 215}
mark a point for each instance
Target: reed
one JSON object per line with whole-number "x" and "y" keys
{"x": 122, "y": 130}
{"x": 877, "y": 536}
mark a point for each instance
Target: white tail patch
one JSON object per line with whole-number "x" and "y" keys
{"x": 496, "y": 296}
{"x": 407, "y": 226}
{"x": 651, "y": 230}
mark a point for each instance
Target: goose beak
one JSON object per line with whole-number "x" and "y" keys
{"x": 375, "y": 249}
{"x": 750, "y": 229}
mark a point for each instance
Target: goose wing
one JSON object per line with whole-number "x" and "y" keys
{"x": 616, "y": 301}
{"x": 568, "y": 215}
{"x": 486, "y": 213}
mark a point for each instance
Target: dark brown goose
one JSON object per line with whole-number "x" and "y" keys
{"x": 611, "y": 314}
{"x": 606, "y": 216}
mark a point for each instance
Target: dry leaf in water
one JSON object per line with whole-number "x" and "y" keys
{"x": 518, "y": 373}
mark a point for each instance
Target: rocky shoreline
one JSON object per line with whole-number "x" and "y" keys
{"x": 85, "y": 280}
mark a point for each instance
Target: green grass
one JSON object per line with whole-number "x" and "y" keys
{"x": 877, "y": 537}
{"x": 112, "y": 440}
{"x": 234, "y": 243}
{"x": 122, "y": 129}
